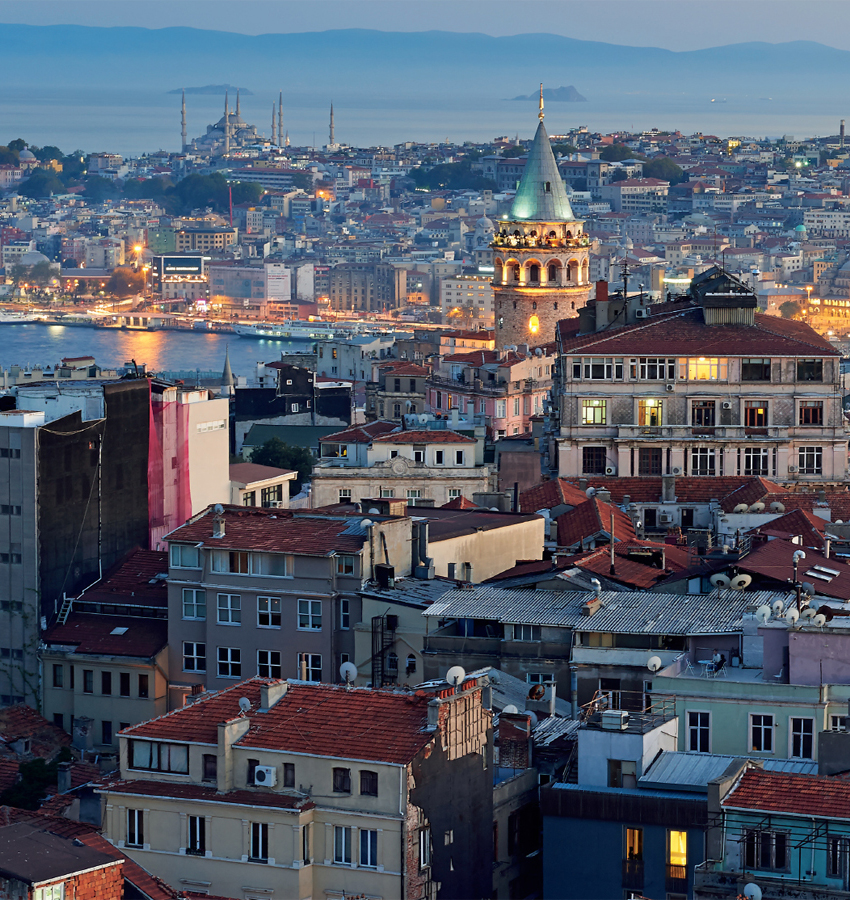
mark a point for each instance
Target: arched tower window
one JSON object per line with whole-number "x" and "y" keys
{"x": 534, "y": 272}
{"x": 553, "y": 272}
{"x": 534, "y": 324}
{"x": 548, "y": 187}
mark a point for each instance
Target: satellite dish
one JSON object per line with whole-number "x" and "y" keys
{"x": 537, "y": 692}
{"x": 809, "y": 613}
{"x": 757, "y": 507}
{"x": 792, "y": 616}
{"x": 777, "y": 607}
{"x": 366, "y": 523}
{"x": 741, "y": 508}
{"x": 819, "y": 620}
{"x": 808, "y": 589}
{"x": 532, "y": 716}
{"x": 776, "y": 506}
{"x": 839, "y": 521}
{"x": 348, "y": 672}
{"x": 423, "y": 419}
{"x": 455, "y": 675}
{"x": 510, "y": 709}
{"x": 752, "y": 891}
{"x": 653, "y": 663}
{"x": 244, "y": 704}
{"x": 719, "y": 580}
{"x": 739, "y": 582}
{"x": 590, "y": 492}
{"x": 218, "y": 509}
{"x": 763, "y": 613}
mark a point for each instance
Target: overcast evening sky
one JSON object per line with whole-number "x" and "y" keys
{"x": 672, "y": 24}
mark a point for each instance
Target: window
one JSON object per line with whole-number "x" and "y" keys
{"x": 501, "y": 409}
{"x": 229, "y": 662}
{"x": 414, "y": 494}
{"x": 268, "y": 663}
{"x": 811, "y": 460}
{"x": 598, "y": 369}
{"x": 334, "y": 451}
{"x": 309, "y": 615}
{"x": 58, "y": 676}
{"x": 650, "y": 413}
{"x": 516, "y": 406}
{"x": 342, "y": 845}
{"x": 310, "y": 666}
{"x": 277, "y": 565}
{"x": 454, "y": 493}
{"x": 196, "y": 842}
{"x": 410, "y": 666}
{"x": 268, "y": 612}
{"x": 106, "y": 733}
{"x": 387, "y": 493}
{"x": 593, "y": 460}
{"x": 135, "y": 828}
{"x": 766, "y": 850}
{"x": 649, "y": 461}
{"x": 677, "y": 854}
{"x": 761, "y": 731}
{"x": 634, "y": 844}
{"x": 756, "y": 461}
{"x": 305, "y": 844}
{"x": 802, "y": 738}
{"x": 702, "y": 461}
{"x": 88, "y": 681}
{"x": 106, "y": 683}
{"x": 755, "y": 370}
{"x": 702, "y": 413}
{"x": 210, "y": 767}
{"x": 236, "y": 562}
{"x": 345, "y": 495}
{"x": 593, "y": 412}
{"x": 229, "y": 609}
{"x": 836, "y": 857}
{"x": 289, "y": 775}
{"x": 419, "y": 454}
{"x": 159, "y": 757}
{"x": 809, "y": 370}
{"x": 50, "y": 892}
{"x": 369, "y": 783}
{"x": 185, "y": 557}
{"x": 458, "y": 457}
{"x": 707, "y": 369}
{"x": 194, "y": 603}
{"x": 342, "y": 781}
{"x": 368, "y": 847}
{"x": 699, "y": 732}
{"x": 755, "y": 413}
{"x": 143, "y": 686}
{"x": 248, "y": 498}
{"x": 259, "y": 842}
{"x": 651, "y": 368}
{"x": 526, "y": 632}
{"x": 344, "y": 614}
{"x": 124, "y": 684}
{"x": 811, "y": 412}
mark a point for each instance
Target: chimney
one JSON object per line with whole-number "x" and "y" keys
{"x": 591, "y": 606}
{"x": 582, "y": 484}
{"x": 821, "y": 496}
{"x": 601, "y": 290}
{"x": 218, "y": 527}
{"x": 827, "y": 547}
{"x": 626, "y": 499}
{"x": 63, "y": 777}
{"x": 668, "y": 488}
{"x": 603, "y": 495}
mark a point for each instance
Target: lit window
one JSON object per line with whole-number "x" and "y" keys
{"x": 650, "y": 413}
{"x": 593, "y": 412}
{"x": 534, "y": 324}
{"x": 677, "y": 851}
{"x": 707, "y": 369}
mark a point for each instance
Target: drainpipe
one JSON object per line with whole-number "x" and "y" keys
{"x": 573, "y": 692}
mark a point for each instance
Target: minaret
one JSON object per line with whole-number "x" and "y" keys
{"x": 274, "y": 116}
{"x": 238, "y": 113}
{"x": 280, "y": 121}
{"x": 331, "y": 142}
{"x": 540, "y": 253}
{"x": 227, "y": 381}
{"x": 184, "y": 142}
{"x": 226, "y": 125}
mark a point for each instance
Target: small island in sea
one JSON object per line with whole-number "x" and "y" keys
{"x": 558, "y": 95}
{"x": 212, "y": 89}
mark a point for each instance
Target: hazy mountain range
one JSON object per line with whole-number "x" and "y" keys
{"x": 383, "y": 66}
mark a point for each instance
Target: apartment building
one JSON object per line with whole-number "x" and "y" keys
{"x": 206, "y": 239}
{"x": 271, "y": 592}
{"x": 287, "y": 789}
{"x": 399, "y": 390}
{"x": 469, "y": 298}
{"x": 706, "y": 386}
{"x": 636, "y": 196}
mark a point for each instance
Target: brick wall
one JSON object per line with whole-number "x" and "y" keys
{"x": 106, "y": 883}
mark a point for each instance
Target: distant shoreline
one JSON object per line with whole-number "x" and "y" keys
{"x": 212, "y": 89}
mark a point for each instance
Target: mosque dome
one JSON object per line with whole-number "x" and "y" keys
{"x": 26, "y": 155}
{"x": 484, "y": 224}
{"x": 32, "y": 258}
{"x": 800, "y": 228}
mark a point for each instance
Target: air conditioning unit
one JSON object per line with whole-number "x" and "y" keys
{"x": 676, "y": 470}
{"x": 615, "y": 719}
{"x": 727, "y": 404}
{"x": 666, "y": 518}
{"x": 265, "y": 776}
{"x": 793, "y": 469}
{"x": 610, "y": 470}
{"x": 671, "y": 387}
{"x": 641, "y": 313}
{"x": 277, "y": 504}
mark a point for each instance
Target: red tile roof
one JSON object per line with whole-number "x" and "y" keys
{"x": 550, "y": 494}
{"x": 634, "y": 572}
{"x": 133, "y": 581}
{"x": 21, "y": 721}
{"x": 774, "y": 561}
{"x": 750, "y": 492}
{"x": 317, "y": 719}
{"x": 800, "y": 795}
{"x": 361, "y": 434}
{"x": 8, "y": 774}
{"x": 274, "y": 530}
{"x": 246, "y": 473}
{"x": 686, "y": 334}
{"x": 460, "y": 503}
{"x": 141, "y": 788}
{"x": 90, "y": 633}
{"x": 591, "y": 518}
{"x": 796, "y": 523}
{"x": 437, "y": 436}
{"x": 687, "y": 489}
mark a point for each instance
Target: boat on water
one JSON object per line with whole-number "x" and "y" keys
{"x": 16, "y": 317}
{"x": 286, "y": 331}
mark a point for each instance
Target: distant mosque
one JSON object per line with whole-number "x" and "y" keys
{"x": 231, "y": 133}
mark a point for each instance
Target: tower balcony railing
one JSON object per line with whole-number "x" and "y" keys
{"x": 534, "y": 242}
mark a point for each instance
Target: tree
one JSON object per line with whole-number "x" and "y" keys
{"x": 303, "y": 181}
{"x": 34, "y": 778}
{"x": 17, "y": 145}
{"x": 618, "y": 152}
{"x": 514, "y": 150}
{"x": 8, "y": 157}
{"x": 619, "y": 175}
{"x": 41, "y": 183}
{"x": 452, "y": 177}
{"x": 45, "y": 154}
{"x": 123, "y": 282}
{"x": 99, "y": 189}
{"x": 791, "y": 309}
{"x": 665, "y": 169}
{"x": 280, "y": 455}
{"x": 563, "y": 149}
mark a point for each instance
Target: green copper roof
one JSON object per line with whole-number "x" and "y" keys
{"x": 541, "y": 196}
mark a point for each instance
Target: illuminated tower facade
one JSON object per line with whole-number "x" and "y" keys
{"x": 540, "y": 254}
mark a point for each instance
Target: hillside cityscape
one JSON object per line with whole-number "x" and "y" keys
{"x": 537, "y": 449}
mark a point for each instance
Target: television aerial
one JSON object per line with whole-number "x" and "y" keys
{"x": 653, "y": 663}
{"x": 348, "y": 672}
{"x": 455, "y": 676}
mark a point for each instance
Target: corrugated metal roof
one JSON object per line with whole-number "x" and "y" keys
{"x": 688, "y": 771}
{"x": 553, "y": 729}
{"x": 622, "y": 612}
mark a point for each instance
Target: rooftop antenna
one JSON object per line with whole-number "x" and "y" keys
{"x": 653, "y": 663}
{"x": 455, "y": 677}
{"x": 244, "y": 705}
{"x": 348, "y": 672}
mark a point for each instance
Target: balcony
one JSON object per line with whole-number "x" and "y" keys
{"x": 677, "y": 879}
{"x": 633, "y": 874}
{"x": 693, "y": 433}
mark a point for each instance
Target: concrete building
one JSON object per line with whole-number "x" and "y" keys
{"x": 467, "y": 298}
{"x": 636, "y": 196}
{"x": 372, "y": 287}
{"x": 353, "y": 358}
{"x": 205, "y": 240}
{"x": 307, "y": 790}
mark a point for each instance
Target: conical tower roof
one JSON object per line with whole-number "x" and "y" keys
{"x": 227, "y": 380}
{"x": 541, "y": 196}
